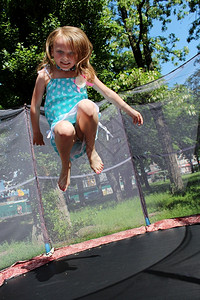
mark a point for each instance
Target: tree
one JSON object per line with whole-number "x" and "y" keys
{"x": 194, "y": 31}
{"x": 25, "y": 26}
{"x": 136, "y": 19}
{"x": 123, "y": 43}
{"x": 193, "y": 84}
{"x": 19, "y": 62}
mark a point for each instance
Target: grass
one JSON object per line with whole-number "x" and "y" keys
{"x": 15, "y": 251}
{"x": 164, "y": 205}
{"x": 102, "y": 220}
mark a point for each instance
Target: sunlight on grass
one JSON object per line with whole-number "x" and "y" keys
{"x": 99, "y": 220}
{"x": 106, "y": 219}
{"x": 17, "y": 251}
{"x": 164, "y": 205}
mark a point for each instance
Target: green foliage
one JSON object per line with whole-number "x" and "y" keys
{"x": 47, "y": 164}
{"x": 19, "y": 64}
{"x": 132, "y": 78}
{"x": 137, "y": 18}
{"x": 56, "y": 221}
{"x": 23, "y": 59}
{"x": 194, "y": 31}
{"x": 19, "y": 71}
{"x": 38, "y": 34}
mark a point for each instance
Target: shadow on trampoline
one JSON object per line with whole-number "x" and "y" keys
{"x": 57, "y": 267}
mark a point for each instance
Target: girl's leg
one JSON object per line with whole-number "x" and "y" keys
{"x": 86, "y": 128}
{"x": 65, "y": 137}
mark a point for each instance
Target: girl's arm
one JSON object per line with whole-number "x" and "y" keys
{"x": 35, "y": 108}
{"x": 112, "y": 97}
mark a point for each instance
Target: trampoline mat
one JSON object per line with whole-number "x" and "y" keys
{"x": 157, "y": 265}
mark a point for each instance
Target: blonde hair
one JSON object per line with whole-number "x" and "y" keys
{"x": 80, "y": 45}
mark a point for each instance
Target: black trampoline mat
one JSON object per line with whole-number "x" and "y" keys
{"x": 157, "y": 265}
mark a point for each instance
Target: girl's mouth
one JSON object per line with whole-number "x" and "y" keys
{"x": 65, "y": 63}
{"x": 65, "y": 67}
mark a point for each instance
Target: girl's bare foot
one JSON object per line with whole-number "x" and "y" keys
{"x": 64, "y": 179}
{"x": 95, "y": 161}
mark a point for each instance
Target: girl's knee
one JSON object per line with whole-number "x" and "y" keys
{"x": 87, "y": 107}
{"x": 64, "y": 128}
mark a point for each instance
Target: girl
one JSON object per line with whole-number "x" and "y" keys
{"x": 73, "y": 119}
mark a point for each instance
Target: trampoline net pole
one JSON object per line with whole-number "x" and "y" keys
{"x": 39, "y": 195}
{"x": 137, "y": 180}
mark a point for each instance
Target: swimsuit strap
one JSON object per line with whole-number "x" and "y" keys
{"x": 47, "y": 72}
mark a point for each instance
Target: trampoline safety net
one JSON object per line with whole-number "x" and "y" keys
{"x": 143, "y": 167}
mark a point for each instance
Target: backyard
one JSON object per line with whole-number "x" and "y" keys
{"x": 102, "y": 219}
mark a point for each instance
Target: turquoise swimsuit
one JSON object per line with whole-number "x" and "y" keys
{"x": 61, "y": 103}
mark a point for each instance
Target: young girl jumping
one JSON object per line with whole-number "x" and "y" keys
{"x": 73, "y": 119}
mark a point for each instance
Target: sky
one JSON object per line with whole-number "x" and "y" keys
{"x": 181, "y": 30}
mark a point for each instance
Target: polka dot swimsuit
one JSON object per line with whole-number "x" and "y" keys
{"x": 62, "y": 98}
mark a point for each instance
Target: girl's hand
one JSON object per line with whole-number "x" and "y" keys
{"x": 137, "y": 117}
{"x": 38, "y": 139}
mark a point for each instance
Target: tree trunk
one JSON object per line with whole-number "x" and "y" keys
{"x": 37, "y": 234}
{"x": 142, "y": 59}
{"x": 144, "y": 175}
{"x": 114, "y": 182}
{"x": 191, "y": 166}
{"x": 99, "y": 186}
{"x": 80, "y": 191}
{"x": 166, "y": 142}
{"x": 62, "y": 205}
{"x": 135, "y": 45}
{"x": 127, "y": 181}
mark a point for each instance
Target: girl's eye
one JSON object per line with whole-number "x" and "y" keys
{"x": 59, "y": 51}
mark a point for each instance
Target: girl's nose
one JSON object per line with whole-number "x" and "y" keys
{"x": 66, "y": 56}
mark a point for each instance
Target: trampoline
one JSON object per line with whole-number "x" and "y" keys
{"x": 119, "y": 235}
{"x": 156, "y": 265}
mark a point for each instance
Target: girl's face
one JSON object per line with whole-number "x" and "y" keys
{"x": 63, "y": 55}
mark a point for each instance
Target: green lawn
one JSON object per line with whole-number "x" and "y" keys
{"x": 16, "y": 251}
{"x": 104, "y": 219}
{"x": 164, "y": 205}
